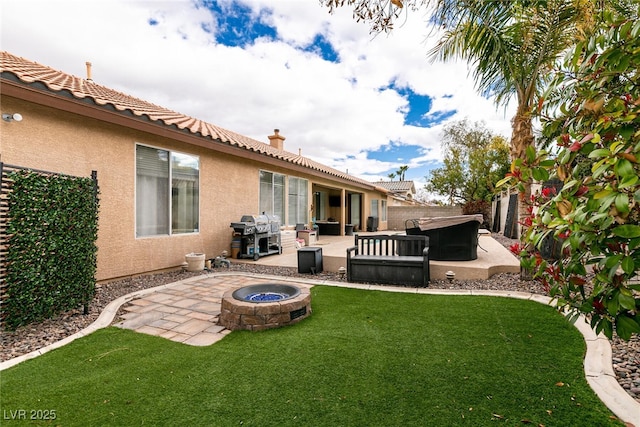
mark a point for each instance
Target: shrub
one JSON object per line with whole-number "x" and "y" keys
{"x": 479, "y": 207}
{"x": 593, "y": 111}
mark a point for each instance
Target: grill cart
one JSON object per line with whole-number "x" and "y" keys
{"x": 259, "y": 235}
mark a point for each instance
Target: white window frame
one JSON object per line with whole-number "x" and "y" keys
{"x": 297, "y": 200}
{"x": 170, "y": 190}
{"x": 268, "y": 197}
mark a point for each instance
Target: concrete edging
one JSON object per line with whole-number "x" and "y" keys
{"x": 598, "y": 366}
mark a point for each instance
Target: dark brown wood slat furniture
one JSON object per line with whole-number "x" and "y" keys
{"x": 390, "y": 259}
{"x": 328, "y": 228}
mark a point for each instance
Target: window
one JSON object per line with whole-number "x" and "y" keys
{"x": 383, "y": 210}
{"x": 320, "y": 206}
{"x": 272, "y": 194}
{"x": 298, "y": 201}
{"x": 185, "y": 195}
{"x": 374, "y": 208}
{"x": 167, "y": 192}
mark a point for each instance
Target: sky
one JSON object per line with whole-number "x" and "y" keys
{"x": 364, "y": 104}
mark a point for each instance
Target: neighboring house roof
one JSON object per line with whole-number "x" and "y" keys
{"x": 18, "y": 70}
{"x": 398, "y": 186}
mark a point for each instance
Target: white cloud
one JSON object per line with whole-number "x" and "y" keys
{"x": 333, "y": 112}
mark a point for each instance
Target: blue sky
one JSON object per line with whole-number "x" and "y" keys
{"x": 360, "y": 103}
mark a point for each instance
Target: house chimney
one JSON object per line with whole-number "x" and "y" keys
{"x": 88, "y": 64}
{"x": 276, "y": 140}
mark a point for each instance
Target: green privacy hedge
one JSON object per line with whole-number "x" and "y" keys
{"x": 52, "y": 224}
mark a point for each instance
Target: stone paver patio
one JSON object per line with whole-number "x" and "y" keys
{"x": 186, "y": 312}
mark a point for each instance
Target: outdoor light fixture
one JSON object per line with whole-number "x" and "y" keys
{"x": 450, "y": 275}
{"x": 342, "y": 271}
{"x": 12, "y": 117}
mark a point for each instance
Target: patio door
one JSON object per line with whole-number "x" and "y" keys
{"x": 354, "y": 210}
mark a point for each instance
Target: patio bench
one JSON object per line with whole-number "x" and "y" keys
{"x": 391, "y": 259}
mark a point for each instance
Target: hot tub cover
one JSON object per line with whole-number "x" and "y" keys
{"x": 453, "y": 238}
{"x": 447, "y": 221}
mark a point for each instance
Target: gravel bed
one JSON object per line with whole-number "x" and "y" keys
{"x": 626, "y": 355}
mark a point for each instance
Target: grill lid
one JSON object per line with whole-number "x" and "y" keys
{"x": 255, "y": 219}
{"x": 250, "y": 224}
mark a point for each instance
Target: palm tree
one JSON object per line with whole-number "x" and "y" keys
{"x": 513, "y": 45}
{"x": 400, "y": 172}
{"x": 391, "y": 176}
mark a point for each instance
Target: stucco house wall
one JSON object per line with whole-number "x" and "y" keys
{"x": 58, "y": 140}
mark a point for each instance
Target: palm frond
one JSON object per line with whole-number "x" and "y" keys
{"x": 511, "y": 44}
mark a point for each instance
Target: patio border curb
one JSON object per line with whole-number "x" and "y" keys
{"x": 598, "y": 367}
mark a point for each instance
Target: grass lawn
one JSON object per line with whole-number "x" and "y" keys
{"x": 363, "y": 358}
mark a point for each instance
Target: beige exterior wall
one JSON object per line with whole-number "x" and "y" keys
{"x": 57, "y": 141}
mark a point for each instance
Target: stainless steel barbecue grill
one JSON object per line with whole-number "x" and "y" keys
{"x": 259, "y": 235}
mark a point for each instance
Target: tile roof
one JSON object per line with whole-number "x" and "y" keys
{"x": 397, "y": 186}
{"x": 29, "y": 72}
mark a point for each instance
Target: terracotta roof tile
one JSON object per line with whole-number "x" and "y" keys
{"x": 56, "y": 81}
{"x": 396, "y": 186}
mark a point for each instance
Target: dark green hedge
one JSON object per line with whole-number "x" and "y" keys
{"x": 52, "y": 224}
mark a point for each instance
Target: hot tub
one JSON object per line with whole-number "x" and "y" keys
{"x": 451, "y": 238}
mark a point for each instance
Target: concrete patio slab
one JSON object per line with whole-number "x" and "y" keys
{"x": 493, "y": 258}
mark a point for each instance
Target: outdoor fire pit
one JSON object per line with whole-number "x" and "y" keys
{"x": 264, "y": 306}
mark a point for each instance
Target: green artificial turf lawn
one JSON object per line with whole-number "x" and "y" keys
{"x": 363, "y": 358}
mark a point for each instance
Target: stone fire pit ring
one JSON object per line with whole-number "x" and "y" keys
{"x": 266, "y": 293}
{"x": 264, "y": 306}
